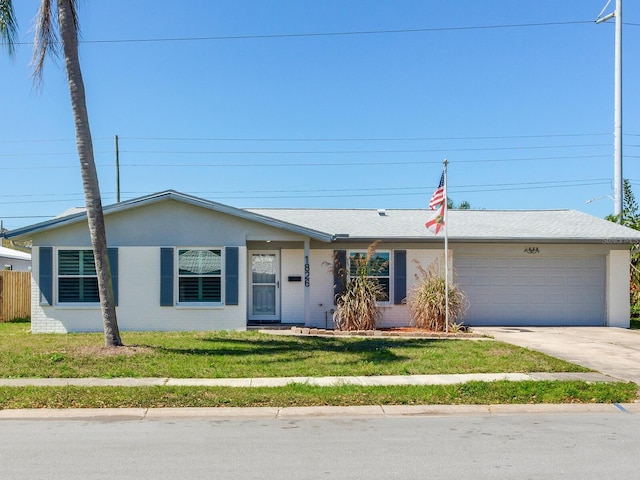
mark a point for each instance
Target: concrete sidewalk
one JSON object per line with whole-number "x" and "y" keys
{"x": 381, "y": 380}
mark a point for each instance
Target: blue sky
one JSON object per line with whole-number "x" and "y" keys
{"x": 281, "y": 119}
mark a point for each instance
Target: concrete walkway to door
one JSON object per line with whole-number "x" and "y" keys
{"x": 611, "y": 351}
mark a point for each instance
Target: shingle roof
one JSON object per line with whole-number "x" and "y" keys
{"x": 464, "y": 225}
{"x": 372, "y": 224}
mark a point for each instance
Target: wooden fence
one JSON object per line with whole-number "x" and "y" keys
{"x": 15, "y": 295}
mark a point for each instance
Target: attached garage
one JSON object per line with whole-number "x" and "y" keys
{"x": 532, "y": 289}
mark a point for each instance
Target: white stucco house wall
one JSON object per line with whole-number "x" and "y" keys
{"x": 15, "y": 260}
{"x": 180, "y": 262}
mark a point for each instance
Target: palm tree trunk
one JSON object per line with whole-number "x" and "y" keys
{"x": 69, "y": 37}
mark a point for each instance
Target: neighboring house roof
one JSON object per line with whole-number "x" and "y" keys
{"x": 14, "y": 254}
{"x": 371, "y": 224}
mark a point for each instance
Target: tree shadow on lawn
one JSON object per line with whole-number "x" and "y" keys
{"x": 373, "y": 350}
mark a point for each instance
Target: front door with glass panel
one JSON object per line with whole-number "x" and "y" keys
{"x": 264, "y": 291}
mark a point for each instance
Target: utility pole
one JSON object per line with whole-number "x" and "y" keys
{"x": 117, "y": 172}
{"x": 617, "y": 109}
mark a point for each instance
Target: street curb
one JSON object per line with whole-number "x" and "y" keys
{"x": 378, "y": 411}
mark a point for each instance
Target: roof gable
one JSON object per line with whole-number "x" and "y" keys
{"x": 76, "y": 216}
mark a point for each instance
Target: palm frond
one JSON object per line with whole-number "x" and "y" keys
{"x": 46, "y": 38}
{"x": 8, "y": 26}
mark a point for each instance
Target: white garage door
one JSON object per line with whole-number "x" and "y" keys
{"x": 533, "y": 290}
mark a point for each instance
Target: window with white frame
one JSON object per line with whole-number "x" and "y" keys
{"x": 200, "y": 275}
{"x": 377, "y": 268}
{"x": 77, "y": 279}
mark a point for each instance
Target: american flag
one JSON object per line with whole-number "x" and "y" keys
{"x": 438, "y": 196}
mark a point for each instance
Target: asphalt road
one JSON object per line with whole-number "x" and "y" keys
{"x": 520, "y": 446}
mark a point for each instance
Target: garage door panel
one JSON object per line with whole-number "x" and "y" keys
{"x": 556, "y": 281}
{"x": 533, "y": 290}
{"x": 576, "y": 262}
{"x": 500, "y": 263}
{"x": 536, "y": 300}
{"x": 556, "y": 299}
{"x": 500, "y": 280}
{"x": 538, "y": 280}
{"x": 575, "y": 281}
{"x": 592, "y": 293}
{"x": 519, "y": 281}
{"x": 591, "y": 277}
{"x": 560, "y": 263}
{"x": 479, "y": 262}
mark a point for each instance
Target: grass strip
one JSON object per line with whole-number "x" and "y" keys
{"x": 472, "y": 393}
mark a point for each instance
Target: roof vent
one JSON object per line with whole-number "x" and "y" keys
{"x": 382, "y": 212}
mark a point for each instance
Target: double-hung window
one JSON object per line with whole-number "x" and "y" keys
{"x": 377, "y": 268}
{"x": 200, "y": 275}
{"x": 77, "y": 279}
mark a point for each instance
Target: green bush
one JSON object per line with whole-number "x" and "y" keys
{"x": 427, "y": 300}
{"x": 21, "y": 320}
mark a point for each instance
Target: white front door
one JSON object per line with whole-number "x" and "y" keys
{"x": 264, "y": 289}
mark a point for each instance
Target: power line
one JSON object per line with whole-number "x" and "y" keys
{"x": 320, "y": 139}
{"x": 27, "y": 216}
{"x": 44, "y": 140}
{"x": 314, "y": 164}
{"x": 44, "y": 154}
{"x": 421, "y": 189}
{"x": 358, "y": 139}
{"x": 360, "y": 164}
{"x": 374, "y": 194}
{"x": 384, "y": 191}
{"x": 328, "y": 34}
{"x": 349, "y": 152}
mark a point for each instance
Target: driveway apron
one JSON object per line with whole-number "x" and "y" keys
{"x": 611, "y": 351}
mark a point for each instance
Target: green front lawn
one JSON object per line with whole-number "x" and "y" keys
{"x": 251, "y": 354}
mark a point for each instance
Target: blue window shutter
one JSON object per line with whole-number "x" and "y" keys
{"x": 166, "y": 277}
{"x": 231, "y": 275}
{"x": 45, "y": 275}
{"x": 113, "y": 265}
{"x": 399, "y": 276}
{"x": 339, "y": 273}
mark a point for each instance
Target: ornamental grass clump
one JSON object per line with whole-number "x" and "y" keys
{"x": 427, "y": 300}
{"x": 357, "y": 305}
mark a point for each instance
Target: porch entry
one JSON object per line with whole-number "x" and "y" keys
{"x": 264, "y": 286}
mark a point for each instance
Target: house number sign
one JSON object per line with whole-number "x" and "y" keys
{"x": 307, "y": 281}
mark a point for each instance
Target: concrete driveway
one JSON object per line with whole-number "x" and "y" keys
{"x": 612, "y": 351}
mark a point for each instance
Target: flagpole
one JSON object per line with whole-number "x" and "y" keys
{"x": 446, "y": 249}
